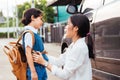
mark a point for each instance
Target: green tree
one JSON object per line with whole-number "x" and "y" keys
{"x": 48, "y": 12}
{"x": 5, "y": 18}
{"x": 22, "y": 8}
{"x": 1, "y": 15}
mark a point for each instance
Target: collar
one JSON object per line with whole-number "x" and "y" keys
{"x": 31, "y": 28}
{"x": 78, "y": 41}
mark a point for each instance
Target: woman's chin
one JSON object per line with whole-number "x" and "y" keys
{"x": 66, "y": 36}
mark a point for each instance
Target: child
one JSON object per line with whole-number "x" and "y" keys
{"x": 32, "y": 19}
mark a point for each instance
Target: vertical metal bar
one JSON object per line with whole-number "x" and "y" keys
{"x": 8, "y": 34}
{"x": 32, "y": 4}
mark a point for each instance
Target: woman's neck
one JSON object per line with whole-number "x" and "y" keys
{"x": 75, "y": 38}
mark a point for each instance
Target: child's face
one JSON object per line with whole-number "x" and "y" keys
{"x": 38, "y": 22}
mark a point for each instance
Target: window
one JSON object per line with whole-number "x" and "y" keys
{"x": 108, "y": 1}
{"x": 91, "y": 4}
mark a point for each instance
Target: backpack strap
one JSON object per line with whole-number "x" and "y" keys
{"x": 33, "y": 39}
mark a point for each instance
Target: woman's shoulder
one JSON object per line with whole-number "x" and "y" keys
{"x": 80, "y": 43}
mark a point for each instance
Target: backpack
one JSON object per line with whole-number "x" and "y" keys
{"x": 17, "y": 57}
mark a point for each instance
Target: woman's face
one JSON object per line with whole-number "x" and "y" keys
{"x": 38, "y": 22}
{"x": 69, "y": 29}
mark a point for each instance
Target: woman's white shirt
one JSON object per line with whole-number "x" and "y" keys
{"x": 76, "y": 62}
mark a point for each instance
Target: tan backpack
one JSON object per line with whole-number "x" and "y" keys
{"x": 17, "y": 57}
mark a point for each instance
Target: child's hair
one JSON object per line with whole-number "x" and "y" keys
{"x": 30, "y": 12}
{"x": 82, "y": 22}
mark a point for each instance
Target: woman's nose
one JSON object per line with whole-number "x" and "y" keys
{"x": 66, "y": 26}
{"x": 65, "y": 29}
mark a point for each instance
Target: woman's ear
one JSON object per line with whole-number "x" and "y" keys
{"x": 76, "y": 28}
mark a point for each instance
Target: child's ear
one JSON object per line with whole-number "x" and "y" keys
{"x": 32, "y": 18}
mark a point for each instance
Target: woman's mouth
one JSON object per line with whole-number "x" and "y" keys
{"x": 65, "y": 30}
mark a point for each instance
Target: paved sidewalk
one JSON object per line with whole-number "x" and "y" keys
{"x": 5, "y": 67}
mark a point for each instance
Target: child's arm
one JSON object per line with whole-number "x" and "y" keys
{"x": 28, "y": 46}
{"x": 30, "y": 63}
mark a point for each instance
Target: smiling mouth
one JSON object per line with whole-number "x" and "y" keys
{"x": 65, "y": 30}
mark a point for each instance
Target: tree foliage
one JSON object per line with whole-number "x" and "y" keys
{"x": 22, "y": 8}
{"x": 5, "y": 24}
{"x": 1, "y": 15}
{"x": 40, "y": 4}
{"x": 48, "y": 12}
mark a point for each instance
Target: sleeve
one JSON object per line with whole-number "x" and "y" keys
{"x": 28, "y": 40}
{"x": 74, "y": 60}
{"x": 57, "y": 61}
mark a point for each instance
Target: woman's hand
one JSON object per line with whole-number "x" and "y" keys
{"x": 44, "y": 52}
{"x": 38, "y": 58}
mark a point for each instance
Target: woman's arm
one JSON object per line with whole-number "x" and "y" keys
{"x": 58, "y": 61}
{"x": 72, "y": 63}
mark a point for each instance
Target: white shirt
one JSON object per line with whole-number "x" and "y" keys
{"x": 77, "y": 65}
{"x": 28, "y": 36}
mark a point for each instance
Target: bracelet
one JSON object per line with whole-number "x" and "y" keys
{"x": 46, "y": 64}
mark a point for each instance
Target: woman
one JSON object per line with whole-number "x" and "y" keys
{"x": 76, "y": 62}
{"x": 32, "y": 19}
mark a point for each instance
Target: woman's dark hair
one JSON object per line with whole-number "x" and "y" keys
{"x": 82, "y": 22}
{"x": 28, "y": 13}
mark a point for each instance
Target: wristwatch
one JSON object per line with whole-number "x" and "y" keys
{"x": 46, "y": 64}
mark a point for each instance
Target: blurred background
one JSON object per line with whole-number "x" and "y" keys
{"x": 104, "y": 17}
{"x": 11, "y": 14}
